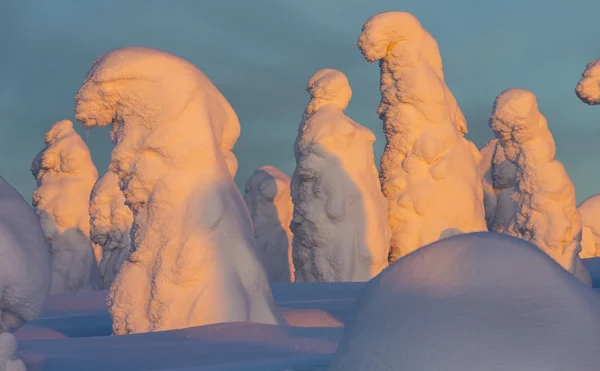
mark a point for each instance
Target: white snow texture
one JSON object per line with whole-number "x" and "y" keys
{"x": 8, "y": 348}
{"x": 588, "y": 88}
{"x": 110, "y": 225}
{"x": 65, "y": 176}
{"x": 340, "y": 223}
{"x": 499, "y": 179}
{"x": 546, "y": 210}
{"x": 480, "y": 301}
{"x": 428, "y": 169}
{"x": 589, "y": 210}
{"x": 24, "y": 261}
{"x": 195, "y": 261}
{"x": 267, "y": 195}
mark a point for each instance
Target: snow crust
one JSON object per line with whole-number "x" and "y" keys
{"x": 110, "y": 225}
{"x": 546, "y": 212}
{"x": 65, "y": 176}
{"x": 428, "y": 169}
{"x": 499, "y": 180}
{"x": 589, "y": 210}
{"x": 24, "y": 261}
{"x": 588, "y": 88}
{"x": 481, "y": 301}
{"x": 267, "y": 195}
{"x": 8, "y": 360}
{"x": 196, "y": 261}
{"x": 340, "y": 223}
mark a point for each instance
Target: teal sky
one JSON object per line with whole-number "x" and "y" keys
{"x": 260, "y": 54}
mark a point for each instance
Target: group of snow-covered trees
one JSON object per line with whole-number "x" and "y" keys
{"x": 166, "y": 230}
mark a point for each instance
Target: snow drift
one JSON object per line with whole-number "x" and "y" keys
{"x": 589, "y": 210}
{"x": 65, "y": 176}
{"x": 499, "y": 178}
{"x": 481, "y": 301}
{"x": 546, "y": 211}
{"x": 428, "y": 169}
{"x": 267, "y": 195}
{"x": 110, "y": 225}
{"x": 588, "y": 88}
{"x": 8, "y": 348}
{"x": 340, "y": 215}
{"x": 24, "y": 261}
{"x": 196, "y": 261}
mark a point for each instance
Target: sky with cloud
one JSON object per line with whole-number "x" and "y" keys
{"x": 260, "y": 54}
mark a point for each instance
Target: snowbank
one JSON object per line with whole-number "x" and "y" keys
{"x": 340, "y": 223}
{"x": 24, "y": 261}
{"x": 428, "y": 169}
{"x": 482, "y": 301}
{"x": 110, "y": 225}
{"x": 196, "y": 260}
{"x": 8, "y": 360}
{"x": 546, "y": 212}
{"x": 65, "y": 176}
{"x": 588, "y": 88}
{"x": 589, "y": 210}
{"x": 499, "y": 178}
{"x": 267, "y": 195}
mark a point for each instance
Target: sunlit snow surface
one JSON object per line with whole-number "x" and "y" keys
{"x": 73, "y": 333}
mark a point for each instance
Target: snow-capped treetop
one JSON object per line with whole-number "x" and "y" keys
{"x": 328, "y": 86}
{"x": 590, "y": 221}
{"x": 160, "y": 84}
{"x": 480, "y": 301}
{"x": 8, "y": 350}
{"x": 588, "y": 88}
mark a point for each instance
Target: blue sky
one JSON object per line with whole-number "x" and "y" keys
{"x": 260, "y": 54}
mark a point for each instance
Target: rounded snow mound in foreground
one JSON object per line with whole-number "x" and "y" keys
{"x": 480, "y": 301}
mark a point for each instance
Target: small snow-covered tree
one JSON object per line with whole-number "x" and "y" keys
{"x": 24, "y": 261}
{"x": 428, "y": 169}
{"x": 195, "y": 261}
{"x": 499, "y": 177}
{"x": 588, "y": 88}
{"x": 267, "y": 195}
{"x": 589, "y": 210}
{"x": 340, "y": 223}
{"x": 110, "y": 225}
{"x": 65, "y": 176}
{"x": 546, "y": 211}
{"x": 8, "y": 358}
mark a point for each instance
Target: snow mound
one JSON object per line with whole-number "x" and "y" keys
{"x": 24, "y": 261}
{"x": 110, "y": 225}
{"x": 589, "y": 210}
{"x": 196, "y": 261}
{"x": 429, "y": 171}
{"x": 340, "y": 223}
{"x": 267, "y": 195}
{"x": 546, "y": 212}
{"x": 588, "y": 88}
{"x": 499, "y": 178}
{"x": 482, "y": 301}
{"x": 8, "y": 360}
{"x": 65, "y": 176}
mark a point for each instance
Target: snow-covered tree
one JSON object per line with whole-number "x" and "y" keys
{"x": 588, "y": 88}
{"x": 478, "y": 301}
{"x": 499, "y": 177}
{"x": 110, "y": 225}
{"x": 24, "y": 261}
{"x": 589, "y": 210}
{"x": 267, "y": 195}
{"x": 195, "y": 261}
{"x": 65, "y": 176}
{"x": 340, "y": 223}
{"x": 428, "y": 169}
{"x": 8, "y": 349}
{"x": 546, "y": 210}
